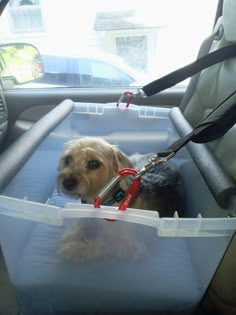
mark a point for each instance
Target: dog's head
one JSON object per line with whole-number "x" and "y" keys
{"x": 87, "y": 165}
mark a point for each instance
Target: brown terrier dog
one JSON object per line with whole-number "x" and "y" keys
{"x": 86, "y": 166}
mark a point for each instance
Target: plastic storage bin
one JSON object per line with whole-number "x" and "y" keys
{"x": 181, "y": 254}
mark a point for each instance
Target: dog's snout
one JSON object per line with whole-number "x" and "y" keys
{"x": 69, "y": 183}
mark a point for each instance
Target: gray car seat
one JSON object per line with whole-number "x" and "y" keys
{"x": 205, "y": 92}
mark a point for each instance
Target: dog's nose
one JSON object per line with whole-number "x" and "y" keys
{"x": 69, "y": 183}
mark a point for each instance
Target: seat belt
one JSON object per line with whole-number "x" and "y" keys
{"x": 204, "y": 50}
{"x": 187, "y": 71}
{"x": 220, "y": 120}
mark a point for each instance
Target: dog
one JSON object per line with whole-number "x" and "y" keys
{"x": 86, "y": 166}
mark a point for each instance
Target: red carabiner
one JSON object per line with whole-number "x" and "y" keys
{"x": 129, "y": 194}
{"x": 131, "y": 94}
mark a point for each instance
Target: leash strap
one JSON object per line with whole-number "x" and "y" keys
{"x": 189, "y": 70}
{"x": 214, "y": 126}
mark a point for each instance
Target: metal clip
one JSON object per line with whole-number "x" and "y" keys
{"x": 128, "y": 196}
{"x": 154, "y": 161}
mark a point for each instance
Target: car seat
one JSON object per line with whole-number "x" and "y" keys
{"x": 205, "y": 91}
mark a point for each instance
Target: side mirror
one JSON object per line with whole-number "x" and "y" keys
{"x": 20, "y": 63}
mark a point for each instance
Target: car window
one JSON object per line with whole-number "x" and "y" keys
{"x": 75, "y": 71}
{"x": 104, "y": 73}
{"x": 108, "y": 43}
{"x": 60, "y": 70}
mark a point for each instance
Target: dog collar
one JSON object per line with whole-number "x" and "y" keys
{"x": 116, "y": 197}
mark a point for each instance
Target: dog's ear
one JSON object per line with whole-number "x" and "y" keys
{"x": 121, "y": 160}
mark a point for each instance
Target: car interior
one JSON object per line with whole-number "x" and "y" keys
{"x": 190, "y": 267}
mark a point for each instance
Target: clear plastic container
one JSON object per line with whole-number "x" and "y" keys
{"x": 170, "y": 261}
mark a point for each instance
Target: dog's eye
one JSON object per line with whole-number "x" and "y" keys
{"x": 67, "y": 160}
{"x": 93, "y": 164}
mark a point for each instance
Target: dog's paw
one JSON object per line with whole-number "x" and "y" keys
{"x": 71, "y": 235}
{"x": 78, "y": 251}
{"x": 79, "y": 244}
{"x": 85, "y": 242}
{"x": 69, "y": 250}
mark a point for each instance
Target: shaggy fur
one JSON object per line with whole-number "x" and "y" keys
{"x": 85, "y": 167}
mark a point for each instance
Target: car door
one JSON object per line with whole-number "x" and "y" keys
{"x": 160, "y": 39}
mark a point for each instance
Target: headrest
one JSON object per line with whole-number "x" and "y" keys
{"x": 229, "y": 20}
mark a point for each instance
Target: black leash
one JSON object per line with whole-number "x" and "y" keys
{"x": 214, "y": 126}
